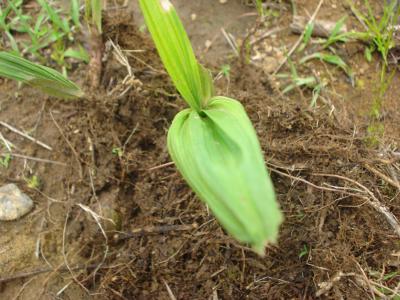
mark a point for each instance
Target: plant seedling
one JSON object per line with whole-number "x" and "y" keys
{"x": 33, "y": 182}
{"x": 213, "y": 142}
{"x": 5, "y": 160}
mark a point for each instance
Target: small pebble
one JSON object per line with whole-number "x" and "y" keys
{"x": 13, "y": 203}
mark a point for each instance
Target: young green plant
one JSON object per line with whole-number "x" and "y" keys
{"x": 213, "y": 143}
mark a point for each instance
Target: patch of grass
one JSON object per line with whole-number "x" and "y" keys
{"x": 28, "y": 33}
{"x": 379, "y": 32}
{"x": 5, "y": 160}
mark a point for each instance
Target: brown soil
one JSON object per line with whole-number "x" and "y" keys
{"x": 114, "y": 161}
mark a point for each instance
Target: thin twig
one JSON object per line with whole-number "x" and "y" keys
{"x": 383, "y": 176}
{"x": 314, "y": 15}
{"x": 170, "y": 293}
{"x": 153, "y": 230}
{"x": 129, "y": 137}
{"x": 367, "y": 195}
{"x": 266, "y": 35}
{"x": 97, "y": 219}
{"x": 161, "y": 166}
{"x": 42, "y": 160}
{"x": 230, "y": 41}
{"x": 6, "y": 143}
{"x": 23, "y": 275}
{"x": 15, "y": 130}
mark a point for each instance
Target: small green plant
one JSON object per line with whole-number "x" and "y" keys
{"x": 332, "y": 59}
{"x": 304, "y": 251}
{"x": 5, "y": 160}
{"x": 49, "y": 29}
{"x": 307, "y": 36}
{"x": 41, "y": 77}
{"x": 118, "y": 151}
{"x": 259, "y": 7}
{"x": 296, "y": 81}
{"x": 336, "y": 34}
{"x": 33, "y": 182}
{"x": 213, "y": 142}
{"x": 379, "y": 32}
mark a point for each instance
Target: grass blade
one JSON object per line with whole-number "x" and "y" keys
{"x": 41, "y": 77}
{"x": 97, "y": 7}
{"x": 75, "y": 12}
{"x": 192, "y": 81}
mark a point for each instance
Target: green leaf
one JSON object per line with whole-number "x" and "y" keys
{"x": 96, "y": 10}
{"x": 193, "y": 82}
{"x": 5, "y": 161}
{"x": 331, "y": 59}
{"x": 338, "y": 26}
{"x": 54, "y": 17}
{"x": 41, "y": 77}
{"x": 80, "y": 54}
{"x": 218, "y": 153}
{"x": 368, "y": 54}
{"x": 75, "y": 12}
{"x": 307, "y": 36}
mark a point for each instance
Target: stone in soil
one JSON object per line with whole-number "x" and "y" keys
{"x": 13, "y": 203}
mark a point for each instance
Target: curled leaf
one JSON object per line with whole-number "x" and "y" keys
{"x": 218, "y": 153}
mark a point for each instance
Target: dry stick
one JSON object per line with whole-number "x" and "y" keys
{"x": 170, "y": 293}
{"x": 314, "y": 15}
{"x": 161, "y": 166}
{"x": 383, "y": 176}
{"x": 266, "y": 35}
{"x": 23, "y": 275}
{"x": 42, "y": 160}
{"x": 6, "y": 143}
{"x": 314, "y": 185}
{"x": 372, "y": 200}
{"x": 153, "y": 230}
{"x": 15, "y": 130}
{"x": 97, "y": 219}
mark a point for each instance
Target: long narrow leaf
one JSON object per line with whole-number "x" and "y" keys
{"x": 96, "y": 9}
{"x": 192, "y": 81}
{"x": 75, "y": 12}
{"x": 54, "y": 16}
{"x": 41, "y": 77}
